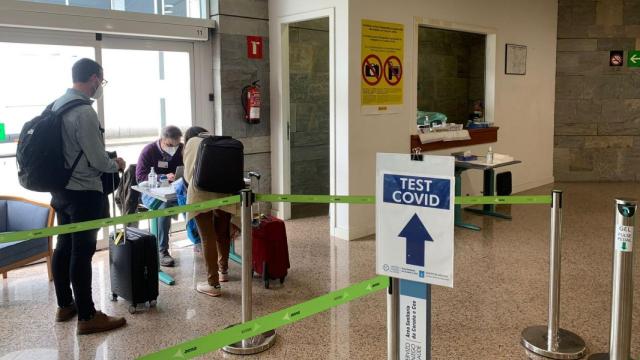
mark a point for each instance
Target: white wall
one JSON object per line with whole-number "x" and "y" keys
{"x": 524, "y": 105}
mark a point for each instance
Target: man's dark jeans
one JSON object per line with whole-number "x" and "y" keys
{"x": 71, "y": 262}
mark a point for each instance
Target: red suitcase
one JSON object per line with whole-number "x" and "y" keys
{"x": 270, "y": 249}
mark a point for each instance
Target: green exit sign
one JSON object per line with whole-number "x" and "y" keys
{"x": 633, "y": 59}
{"x": 3, "y": 135}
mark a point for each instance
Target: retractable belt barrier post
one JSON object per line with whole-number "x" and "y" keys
{"x": 551, "y": 341}
{"x": 264, "y": 341}
{"x": 622, "y": 290}
{"x": 393, "y": 323}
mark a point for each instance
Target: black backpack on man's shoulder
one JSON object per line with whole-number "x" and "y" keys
{"x": 40, "y": 154}
{"x": 219, "y": 165}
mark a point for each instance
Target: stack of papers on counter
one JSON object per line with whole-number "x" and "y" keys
{"x": 435, "y": 136}
{"x": 502, "y": 158}
{"x": 456, "y": 135}
{"x": 167, "y": 192}
{"x": 497, "y": 159}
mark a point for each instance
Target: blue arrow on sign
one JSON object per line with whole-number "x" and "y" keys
{"x": 416, "y": 235}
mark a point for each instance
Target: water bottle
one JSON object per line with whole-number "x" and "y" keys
{"x": 153, "y": 178}
{"x": 490, "y": 156}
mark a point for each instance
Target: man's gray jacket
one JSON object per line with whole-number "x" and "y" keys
{"x": 81, "y": 132}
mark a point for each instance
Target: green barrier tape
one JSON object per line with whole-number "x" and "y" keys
{"x": 460, "y": 200}
{"x": 517, "y": 199}
{"x": 322, "y": 199}
{"x": 272, "y": 321}
{"x": 96, "y": 224}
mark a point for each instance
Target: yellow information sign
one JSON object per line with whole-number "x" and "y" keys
{"x": 382, "y": 56}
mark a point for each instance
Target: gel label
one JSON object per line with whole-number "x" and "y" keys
{"x": 417, "y": 191}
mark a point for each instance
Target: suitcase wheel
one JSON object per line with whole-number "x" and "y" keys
{"x": 114, "y": 297}
{"x": 153, "y": 303}
{"x": 132, "y": 309}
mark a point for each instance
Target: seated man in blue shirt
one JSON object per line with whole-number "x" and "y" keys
{"x": 164, "y": 156}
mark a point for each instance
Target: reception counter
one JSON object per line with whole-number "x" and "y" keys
{"x": 478, "y": 136}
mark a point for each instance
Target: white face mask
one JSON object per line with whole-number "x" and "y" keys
{"x": 171, "y": 150}
{"x": 98, "y": 93}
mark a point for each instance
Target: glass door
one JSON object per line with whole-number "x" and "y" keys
{"x": 150, "y": 87}
{"x": 33, "y": 76}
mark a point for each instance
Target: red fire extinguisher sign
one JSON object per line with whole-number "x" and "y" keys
{"x": 254, "y": 47}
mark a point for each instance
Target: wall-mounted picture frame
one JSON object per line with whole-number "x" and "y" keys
{"x": 515, "y": 59}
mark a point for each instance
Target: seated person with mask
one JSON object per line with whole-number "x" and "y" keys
{"x": 164, "y": 156}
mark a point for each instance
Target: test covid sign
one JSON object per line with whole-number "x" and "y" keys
{"x": 417, "y": 191}
{"x": 414, "y": 218}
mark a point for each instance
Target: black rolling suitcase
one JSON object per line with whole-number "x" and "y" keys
{"x": 133, "y": 266}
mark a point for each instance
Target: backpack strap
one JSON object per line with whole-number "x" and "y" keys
{"x": 76, "y": 161}
{"x": 206, "y": 135}
{"x": 63, "y": 109}
{"x": 72, "y": 104}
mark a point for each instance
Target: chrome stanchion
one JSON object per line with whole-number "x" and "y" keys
{"x": 265, "y": 340}
{"x": 622, "y": 290}
{"x": 551, "y": 341}
{"x": 393, "y": 327}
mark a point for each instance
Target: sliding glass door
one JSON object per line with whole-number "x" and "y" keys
{"x": 150, "y": 85}
{"x": 33, "y": 76}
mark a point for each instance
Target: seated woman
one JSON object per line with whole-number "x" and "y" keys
{"x": 213, "y": 224}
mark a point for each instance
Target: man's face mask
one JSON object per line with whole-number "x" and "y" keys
{"x": 171, "y": 150}
{"x": 97, "y": 94}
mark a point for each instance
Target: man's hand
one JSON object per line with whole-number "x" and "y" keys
{"x": 171, "y": 177}
{"x": 121, "y": 164}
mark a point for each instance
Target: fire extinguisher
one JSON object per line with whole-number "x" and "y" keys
{"x": 251, "y": 102}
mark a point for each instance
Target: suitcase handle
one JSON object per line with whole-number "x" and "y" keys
{"x": 254, "y": 175}
{"x": 113, "y": 205}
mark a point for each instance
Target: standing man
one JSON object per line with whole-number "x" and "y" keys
{"x": 164, "y": 156}
{"x": 81, "y": 200}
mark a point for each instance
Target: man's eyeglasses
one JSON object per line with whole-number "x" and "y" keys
{"x": 104, "y": 83}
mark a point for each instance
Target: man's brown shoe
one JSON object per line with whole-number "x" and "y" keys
{"x": 100, "y": 322}
{"x": 66, "y": 313}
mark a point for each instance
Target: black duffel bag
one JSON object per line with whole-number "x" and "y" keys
{"x": 219, "y": 164}
{"x": 110, "y": 181}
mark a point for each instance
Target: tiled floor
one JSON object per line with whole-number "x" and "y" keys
{"x": 500, "y": 288}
